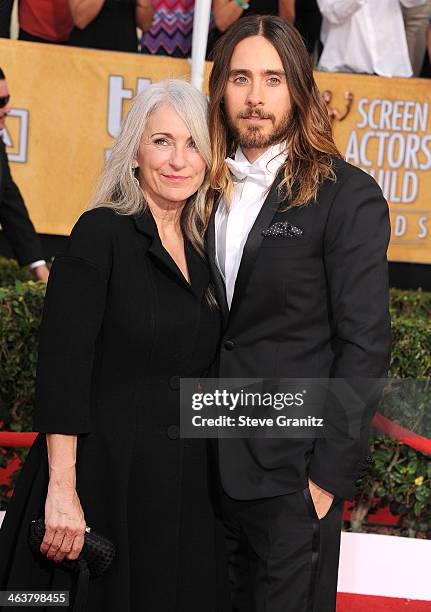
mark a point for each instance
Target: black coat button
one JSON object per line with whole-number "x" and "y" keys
{"x": 173, "y": 432}
{"x": 229, "y": 345}
{"x": 174, "y": 382}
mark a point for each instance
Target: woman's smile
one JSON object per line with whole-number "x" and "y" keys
{"x": 173, "y": 178}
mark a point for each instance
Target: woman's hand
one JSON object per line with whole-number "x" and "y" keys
{"x": 64, "y": 518}
{"x": 225, "y": 13}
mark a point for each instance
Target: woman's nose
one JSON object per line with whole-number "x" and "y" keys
{"x": 178, "y": 157}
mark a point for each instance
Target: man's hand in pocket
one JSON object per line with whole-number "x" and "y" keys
{"x": 322, "y": 499}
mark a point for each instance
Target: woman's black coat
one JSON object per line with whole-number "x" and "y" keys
{"x": 120, "y": 327}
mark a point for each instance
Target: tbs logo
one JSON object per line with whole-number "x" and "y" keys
{"x": 15, "y": 135}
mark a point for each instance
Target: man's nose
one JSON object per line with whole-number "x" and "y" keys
{"x": 255, "y": 95}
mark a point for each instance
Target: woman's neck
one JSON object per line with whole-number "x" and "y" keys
{"x": 167, "y": 216}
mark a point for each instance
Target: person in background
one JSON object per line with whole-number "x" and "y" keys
{"x": 416, "y": 24}
{"x": 308, "y": 22}
{"x": 108, "y": 24}
{"x": 171, "y": 29}
{"x": 365, "y": 36}
{"x": 6, "y": 7}
{"x": 226, "y": 12}
{"x": 45, "y": 21}
{"x": 14, "y": 218}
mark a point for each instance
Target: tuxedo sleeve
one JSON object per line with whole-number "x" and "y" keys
{"x": 356, "y": 239}
{"x": 14, "y": 218}
{"x": 72, "y": 319}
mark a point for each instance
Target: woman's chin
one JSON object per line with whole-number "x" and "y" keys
{"x": 177, "y": 194}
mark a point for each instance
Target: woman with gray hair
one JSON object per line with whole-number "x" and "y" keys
{"x": 128, "y": 311}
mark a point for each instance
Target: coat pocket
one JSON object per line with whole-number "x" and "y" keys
{"x": 311, "y": 507}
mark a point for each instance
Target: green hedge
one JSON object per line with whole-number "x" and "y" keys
{"x": 21, "y": 305}
{"x": 400, "y": 477}
{"x": 411, "y": 304}
{"x": 20, "y": 314}
{"x": 11, "y": 272}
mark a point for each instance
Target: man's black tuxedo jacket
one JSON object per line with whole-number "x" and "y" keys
{"x": 14, "y": 219}
{"x": 313, "y": 306}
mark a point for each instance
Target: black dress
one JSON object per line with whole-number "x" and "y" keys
{"x": 257, "y": 7}
{"x": 261, "y": 7}
{"x": 114, "y": 29}
{"x": 120, "y": 327}
{"x": 308, "y": 22}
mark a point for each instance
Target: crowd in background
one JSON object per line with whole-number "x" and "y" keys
{"x": 384, "y": 37}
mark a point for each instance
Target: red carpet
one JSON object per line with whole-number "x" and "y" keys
{"x": 367, "y": 603}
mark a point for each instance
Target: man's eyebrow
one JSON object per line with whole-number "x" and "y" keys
{"x": 267, "y": 72}
{"x": 280, "y": 73}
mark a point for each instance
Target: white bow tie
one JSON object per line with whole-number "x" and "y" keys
{"x": 243, "y": 169}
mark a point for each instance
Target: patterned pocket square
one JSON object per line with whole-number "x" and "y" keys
{"x": 282, "y": 228}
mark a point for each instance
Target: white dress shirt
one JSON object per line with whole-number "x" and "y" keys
{"x": 233, "y": 223}
{"x": 365, "y": 36}
{"x": 37, "y": 264}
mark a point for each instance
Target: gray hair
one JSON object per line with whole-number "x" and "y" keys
{"x": 119, "y": 189}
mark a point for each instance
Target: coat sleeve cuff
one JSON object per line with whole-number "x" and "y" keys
{"x": 343, "y": 486}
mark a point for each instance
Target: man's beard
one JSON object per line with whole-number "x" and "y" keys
{"x": 252, "y": 137}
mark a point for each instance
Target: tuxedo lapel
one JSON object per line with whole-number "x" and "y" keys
{"x": 215, "y": 272}
{"x": 252, "y": 245}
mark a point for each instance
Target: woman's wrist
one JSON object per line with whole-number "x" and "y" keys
{"x": 63, "y": 477}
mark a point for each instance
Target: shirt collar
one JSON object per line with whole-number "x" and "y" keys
{"x": 265, "y": 167}
{"x": 270, "y": 161}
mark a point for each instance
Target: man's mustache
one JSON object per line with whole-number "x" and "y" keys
{"x": 256, "y": 113}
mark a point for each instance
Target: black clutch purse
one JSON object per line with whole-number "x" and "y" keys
{"x": 96, "y": 556}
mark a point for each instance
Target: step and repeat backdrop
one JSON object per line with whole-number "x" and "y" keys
{"x": 68, "y": 105}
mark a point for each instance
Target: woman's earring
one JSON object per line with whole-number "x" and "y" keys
{"x": 135, "y": 165}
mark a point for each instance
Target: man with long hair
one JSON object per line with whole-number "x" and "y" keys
{"x": 297, "y": 244}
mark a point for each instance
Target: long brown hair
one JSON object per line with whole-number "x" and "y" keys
{"x": 309, "y": 140}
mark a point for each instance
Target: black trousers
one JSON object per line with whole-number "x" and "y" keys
{"x": 281, "y": 557}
